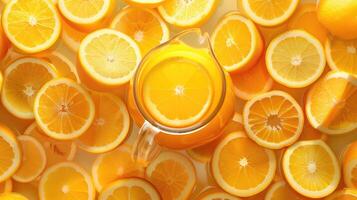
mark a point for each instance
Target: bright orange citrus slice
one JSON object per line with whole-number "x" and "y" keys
{"x": 110, "y": 127}
{"x": 6, "y": 186}
{"x": 344, "y": 194}
{"x": 295, "y": 59}
{"x": 12, "y": 196}
{"x": 65, "y": 67}
{"x": 239, "y": 158}
{"x": 331, "y": 103}
{"x": 311, "y": 168}
{"x": 173, "y": 175}
{"x": 236, "y": 42}
{"x": 342, "y": 54}
{"x": 144, "y": 26}
{"x": 11, "y": 153}
{"x": 63, "y": 109}
{"x": 22, "y": 80}
{"x": 349, "y": 165}
{"x": 31, "y": 29}
{"x": 273, "y": 119}
{"x": 282, "y": 191}
{"x": 213, "y": 193}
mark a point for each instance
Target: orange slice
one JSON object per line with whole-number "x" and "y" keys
{"x": 71, "y": 36}
{"x": 108, "y": 58}
{"x": 63, "y": 109}
{"x": 269, "y": 13}
{"x": 252, "y": 82}
{"x": 33, "y": 159}
{"x": 22, "y": 80}
{"x": 6, "y": 186}
{"x": 145, "y": 3}
{"x": 236, "y": 42}
{"x": 10, "y": 153}
{"x": 56, "y": 150}
{"x": 31, "y": 29}
{"x": 65, "y": 67}
{"x": 342, "y": 54}
{"x": 204, "y": 153}
{"x": 173, "y": 175}
{"x": 282, "y": 191}
{"x": 311, "y": 168}
{"x": 344, "y": 194}
{"x": 115, "y": 165}
{"x": 273, "y": 119}
{"x": 12, "y": 196}
{"x": 305, "y": 18}
{"x": 295, "y": 59}
{"x": 65, "y": 181}
{"x": 213, "y": 193}
{"x": 253, "y": 165}
{"x": 349, "y": 166}
{"x": 109, "y": 129}
{"x": 331, "y": 103}
{"x": 86, "y": 14}
{"x": 187, "y": 13}
{"x": 130, "y": 188}
{"x": 144, "y": 26}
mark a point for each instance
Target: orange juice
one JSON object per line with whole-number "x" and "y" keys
{"x": 183, "y": 91}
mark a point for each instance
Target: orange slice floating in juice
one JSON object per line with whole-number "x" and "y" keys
{"x": 173, "y": 175}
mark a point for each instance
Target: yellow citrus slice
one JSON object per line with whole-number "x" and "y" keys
{"x": 184, "y": 13}
{"x": 305, "y": 18}
{"x": 145, "y": 3}
{"x": 236, "y": 42}
{"x": 331, "y": 103}
{"x": 239, "y": 158}
{"x": 342, "y": 54}
{"x": 273, "y": 119}
{"x": 65, "y": 181}
{"x": 130, "y": 188}
{"x": 22, "y": 80}
{"x": 12, "y": 196}
{"x": 56, "y": 150}
{"x": 344, "y": 194}
{"x": 10, "y": 153}
{"x": 349, "y": 165}
{"x": 115, "y": 165}
{"x": 252, "y": 82}
{"x": 33, "y": 159}
{"x": 214, "y": 193}
{"x": 86, "y": 14}
{"x": 65, "y": 67}
{"x": 295, "y": 59}
{"x": 269, "y": 13}
{"x": 109, "y": 58}
{"x": 311, "y": 168}
{"x": 173, "y": 175}
{"x": 282, "y": 191}
{"x": 110, "y": 127}
{"x": 31, "y": 25}
{"x": 145, "y": 26}
{"x": 204, "y": 153}
{"x": 71, "y": 36}
{"x": 6, "y": 186}
{"x": 63, "y": 109}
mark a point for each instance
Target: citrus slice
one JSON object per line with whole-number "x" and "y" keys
{"x": 204, "y": 153}
{"x": 269, "y": 13}
{"x": 144, "y": 26}
{"x": 130, "y": 188}
{"x": 215, "y": 194}
{"x": 252, "y": 82}
{"x": 71, "y": 36}
{"x": 145, "y": 3}
{"x": 173, "y": 175}
{"x": 187, "y": 13}
{"x": 6, "y": 186}
{"x": 295, "y": 59}
{"x": 86, "y": 14}
{"x": 349, "y": 165}
{"x": 115, "y": 165}
{"x": 10, "y": 153}
{"x": 236, "y": 42}
{"x": 311, "y": 168}
{"x": 331, "y": 103}
{"x": 12, "y": 196}
{"x": 56, "y": 150}
{"x": 64, "y": 66}
{"x": 273, "y": 119}
{"x": 22, "y": 80}
{"x": 63, "y": 109}
{"x": 109, "y": 57}
{"x": 33, "y": 159}
{"x": 342, "y": 55}
{"x": 281, "y": 190}
{"x": 253, "y": 165}
{"x": 31, "y": 29}
{"x": 65, "y": 181}
{"x": 344, "y": 194}
{"x": 109, "y": 129}
{"x": 305, "y": 18}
